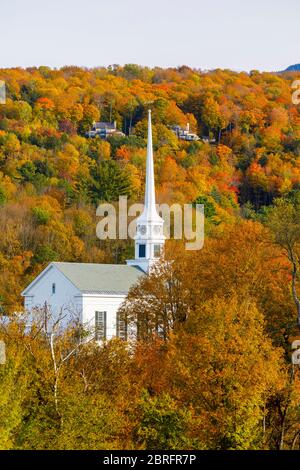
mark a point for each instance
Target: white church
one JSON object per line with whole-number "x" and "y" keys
{"x": 94, "y": 292}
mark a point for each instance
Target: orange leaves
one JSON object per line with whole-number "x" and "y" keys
{"x": 49, "y": 203}
{"x": 12, "y": 275}
{"x": 273, "y": 174}
{"x": 174, "y": 116}
{"x": 171, "y": 172}
{"x": 279, "y": 117}
{"x": 272, "y": 138}
{"x": 123, "y": 153}
{"x": 154, "y": 378}
{"x": 244, "y": 111}
{"x": 91, "y": 113}
{"x": 223, "y": 152}
{"x": 76, "y": 112}
{"x": 45, "y": 103}
{"x": 212, "y": 307}
{"x": 68, "y": 162}
{"x": 7, "y": 187}
{"x": 21, "y": 262}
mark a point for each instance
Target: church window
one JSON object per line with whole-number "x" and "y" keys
{"x": 157, "y": 251}
{"x": 121, "y": 326}
{"x": 142, "y": 251}
{"x": 53, "y": 288}
{"x": 100, "y": 326}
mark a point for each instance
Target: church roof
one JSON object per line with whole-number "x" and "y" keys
{"x": 92, "y": 278}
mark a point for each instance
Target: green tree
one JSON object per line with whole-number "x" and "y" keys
{"x": 110, "y": 182}
{"x": 225, "y": 367}
{"x": 284, "y": 222}
{"x": 40, "y": 215}
{"x": 162, "y": 423}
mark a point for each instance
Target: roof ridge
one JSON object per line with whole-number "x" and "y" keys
{"x": 91, "y": 264}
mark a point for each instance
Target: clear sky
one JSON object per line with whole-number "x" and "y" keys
{"x": 236, "y": 34}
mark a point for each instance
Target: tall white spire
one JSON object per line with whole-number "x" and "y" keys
{"x": 150, "y": 212}
{"x": 150, "y": 208}
{"x": 149, "y": 238}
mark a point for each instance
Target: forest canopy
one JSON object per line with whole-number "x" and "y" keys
{"x": 212, "y": 365}
{"x": 52, "y": 176}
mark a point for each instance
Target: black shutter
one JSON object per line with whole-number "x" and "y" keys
{"x": 121, "y": 326}
{"x": 100, "y": 326}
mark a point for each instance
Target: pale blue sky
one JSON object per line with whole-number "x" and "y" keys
{"x": 237, "y": 34}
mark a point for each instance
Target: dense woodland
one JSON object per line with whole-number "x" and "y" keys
{"x": 219, "y": 374}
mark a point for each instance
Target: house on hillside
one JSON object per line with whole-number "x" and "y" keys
{"x": 104, "y": 130}
{"x": 184, "y": 133}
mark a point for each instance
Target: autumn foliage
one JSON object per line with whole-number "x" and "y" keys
{"x": 211, "y": 367}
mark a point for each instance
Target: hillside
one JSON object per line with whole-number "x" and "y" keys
{"x": 210, "y": 367}
{"x": 52, "y": 176}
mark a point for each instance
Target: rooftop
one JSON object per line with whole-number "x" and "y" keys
{"x": 100, "y": 278}
{"x": 104, "y": 125}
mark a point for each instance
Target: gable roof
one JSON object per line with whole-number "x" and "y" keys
{"x": 90, "y": 278}
{"x": 104, "y": 125}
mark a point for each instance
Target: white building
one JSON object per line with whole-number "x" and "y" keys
{"x": 104, "y": 130}
{"x": 94, "y": 292}
{"x": 185, "y": 134}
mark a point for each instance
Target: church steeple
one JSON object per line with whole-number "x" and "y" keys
{"x": 150, "y": 208}
{"x": 149, "y": 238}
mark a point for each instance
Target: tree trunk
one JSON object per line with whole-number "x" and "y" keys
{"x": 296, "y": 437}
{"x": 56, "y": 374}
{"x": 282, "y": 435}
{"x": 294, "y": 290}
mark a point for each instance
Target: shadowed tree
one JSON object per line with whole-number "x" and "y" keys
{"x": 284, "y": 222}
